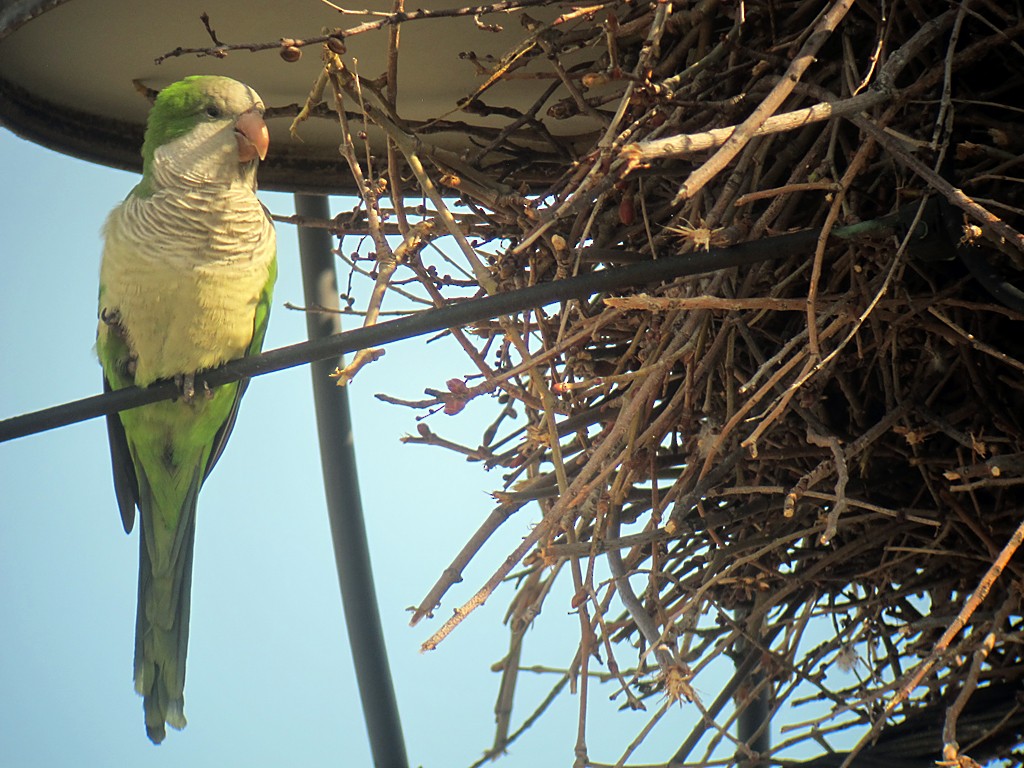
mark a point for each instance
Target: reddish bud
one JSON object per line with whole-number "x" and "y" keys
{"x": 627, "y": 211}
{"x": 457, "y": 386}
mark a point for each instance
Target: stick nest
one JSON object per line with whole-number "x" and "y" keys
{"x": 812, "y": 466}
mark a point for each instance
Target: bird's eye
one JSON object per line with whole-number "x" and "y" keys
{"x": 213, "y": 111}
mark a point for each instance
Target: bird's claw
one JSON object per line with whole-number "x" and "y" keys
{"x": 186, "y": 383}
{"x": 186, "y": 386}
{"x": 111, "y": 317}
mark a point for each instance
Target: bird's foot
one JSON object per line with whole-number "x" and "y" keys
{"x": 186, "y": 386}
{"x": 111, "y": 317}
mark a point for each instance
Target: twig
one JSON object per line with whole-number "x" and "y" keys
{"x": 749, "y": 127}
{"x": 383, "y": 20}
{"x": 961, "y": 620}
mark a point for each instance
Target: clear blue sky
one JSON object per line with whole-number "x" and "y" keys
{"x": 270, "y": 678}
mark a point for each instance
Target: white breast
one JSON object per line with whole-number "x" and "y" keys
{"x": 184, "y": 273}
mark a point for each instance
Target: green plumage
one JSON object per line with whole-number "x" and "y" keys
{"x": 185, "y": 285}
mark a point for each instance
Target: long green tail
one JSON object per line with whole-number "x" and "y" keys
{"x": 162, "y": 615}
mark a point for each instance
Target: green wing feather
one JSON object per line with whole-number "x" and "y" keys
{"x": 259, "y": 333}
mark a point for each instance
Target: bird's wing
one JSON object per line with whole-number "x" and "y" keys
{"x": 259, "y": 331}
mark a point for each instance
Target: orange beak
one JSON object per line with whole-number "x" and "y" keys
{"x": 252, "y": 136}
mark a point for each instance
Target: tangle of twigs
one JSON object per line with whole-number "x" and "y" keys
{"x": 813, "y": 467}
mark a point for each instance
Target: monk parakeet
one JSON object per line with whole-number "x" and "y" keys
{"x": 189, "y": 263}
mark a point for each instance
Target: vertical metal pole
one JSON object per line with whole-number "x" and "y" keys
{"x": 344, "y": 508}
{"x": 753, "y": 727}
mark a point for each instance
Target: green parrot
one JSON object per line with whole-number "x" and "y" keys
{"x": 189, "y": 263}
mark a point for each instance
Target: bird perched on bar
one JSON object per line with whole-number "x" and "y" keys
{"x": 189, "y": 264}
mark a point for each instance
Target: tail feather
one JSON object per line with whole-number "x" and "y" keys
{"x": 162, "y": 615}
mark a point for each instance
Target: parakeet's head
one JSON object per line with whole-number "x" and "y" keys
{"x": 204, "y": 129}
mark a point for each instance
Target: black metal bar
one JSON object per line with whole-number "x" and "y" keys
{"x": 745, "y": 667}
{"x": 344, "y": 505}
{"x": 450, "y": 316}
{"x": 753, "y": 722}
{"x": 429, "y": 321}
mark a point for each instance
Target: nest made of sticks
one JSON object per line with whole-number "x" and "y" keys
{"x": 812, "y": 465}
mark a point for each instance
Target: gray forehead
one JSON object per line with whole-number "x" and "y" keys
{"x": 238, "y": 97}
